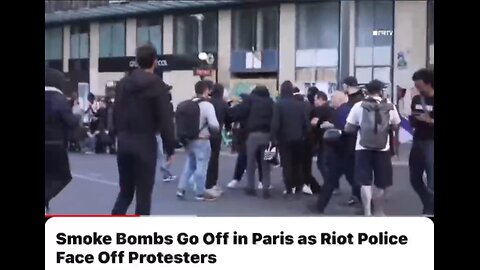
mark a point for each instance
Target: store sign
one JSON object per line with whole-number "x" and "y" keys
{"x": 166, "y": 62}
{"x": 382, "y": 32}
{"x": 202, "y": 72}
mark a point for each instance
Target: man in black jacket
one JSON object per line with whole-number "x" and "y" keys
{"x": 289, "y": 130}
{"x": 258, "y": 110}
{"x": 59, "y": 121}
{"x": 221, "y": 108}
{"x": 311, "y": 185}
{"x": 141, "y": 110}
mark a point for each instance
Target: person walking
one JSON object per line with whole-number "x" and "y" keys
{"x": 289, "y": 131}
{"x": 421, "y": 158}
{"x": 221, "y": 108}
{"x": 196, "y": 140}
{"x": 59, "y": 122}
{"x": 372, "y": 120}
{"x": 141, "y": 110}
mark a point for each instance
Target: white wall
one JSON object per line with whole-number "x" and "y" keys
{"x": 66, "y": 47}
{"x": 410, "y": 38}
{"x": 287, "y": 43}
{"x": 224, "y": 46}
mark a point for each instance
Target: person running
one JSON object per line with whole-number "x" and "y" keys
{"x": 221, "y": 108}
{"x": 240, "y": 144}
{"x": 141, "y": 110}
{"x": 372, "y": 120}
{"x": 289, "y": 131}
{"x": 197, "y": 148}
{"x": 421, "y": 158}
{"x": 59, "y": 121}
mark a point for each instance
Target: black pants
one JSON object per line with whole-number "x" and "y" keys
{"x": 307, "y": 168}
{"x": 241, "y": 165}
{"x": 136, "y": 159}
{"x": 292, "y": 156}
{"x": 337, "y": 165}
{"x": 57, "y": 170}
{"x": 212, "y": 171}
{"x": 422, "y": 160}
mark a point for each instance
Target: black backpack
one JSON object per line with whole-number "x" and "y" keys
{"x": 187, "y": 119}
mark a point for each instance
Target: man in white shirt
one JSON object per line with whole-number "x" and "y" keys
{"x": 373, "y": 119}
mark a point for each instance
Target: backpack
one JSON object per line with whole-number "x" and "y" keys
{"x": 375, "y": 124}
{"x": 187, "y": 120}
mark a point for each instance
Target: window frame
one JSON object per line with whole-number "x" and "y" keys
{"x": 255, "y": 33}
{"x": 111, "y": 23}
{"x": 149, "y": 19}
{"x": 80, "y": 32}
{"x": 61, "y": 43}
{"x": 175, "y": 30}
{"x": 337, "y": 67}
{"x": 430, "y": 23}
{"x": 373, "y": 66}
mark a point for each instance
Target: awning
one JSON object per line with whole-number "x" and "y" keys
{"x": 133, "y": 9}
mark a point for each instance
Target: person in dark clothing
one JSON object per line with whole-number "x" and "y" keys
{"x": 322, "y": 112}
{"x": 258, "y": 110}
{"x": 59, "y": 122}
{"x": 102, "y": 138}
{"x": 111, "y": 127}
{"x": 240, "y": 140}
{"x": 221, "y": 108}
{"x": 311, "y": 185}
{"x": 336, "y": 154}
{"x": 355, "y": 95}
{"x": 422, "y": 153}
{"x": 289, "y": 131}
{"x": 141, "y": 110}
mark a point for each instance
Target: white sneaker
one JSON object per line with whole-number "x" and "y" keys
{"x": 212, "y": 193}
{"x": 293, "y": 191}
{"x": 260, "y": 185}
{"x": 232, "y": 184}
{"x": 307, "y": 190}
{"x": 218, "y": 189}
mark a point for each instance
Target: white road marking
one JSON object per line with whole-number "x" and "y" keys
{"x": 95, "y": 180}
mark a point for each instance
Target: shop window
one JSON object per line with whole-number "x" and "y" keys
{"x": 54, "y": 43}
{"x": 255, "y": 29}
{"x": 194, "y": 33}
{"x": 112, "y": 39}
{"x": 79, "y": 41}
{"x": 150, "y": 31}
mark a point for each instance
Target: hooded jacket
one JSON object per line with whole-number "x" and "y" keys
{"x": 142, "y": 107}
{"x": 257, "y": 110}
{"x": 290, "y": 120}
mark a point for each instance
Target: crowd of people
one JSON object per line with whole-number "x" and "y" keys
{"x": 355, "y": 134}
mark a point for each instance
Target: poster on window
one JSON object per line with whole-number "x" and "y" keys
{"x": 327, "y": 87}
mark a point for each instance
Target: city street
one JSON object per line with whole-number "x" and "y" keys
{"x": 95, "y": 185}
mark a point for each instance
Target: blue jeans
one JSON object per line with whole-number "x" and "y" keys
{"x": 162, "y": 159}
{"x": 198, "y": 155}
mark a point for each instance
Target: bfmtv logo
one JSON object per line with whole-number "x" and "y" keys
{"x": 160, "y": 63}
{"x": 382, "y": 33}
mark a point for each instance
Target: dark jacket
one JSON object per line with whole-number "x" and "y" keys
{"x": 257, "y": 110}
{"x": 142, "y": 107}
{"x": 59, "y": 119}
{"x": 323, "y": 113}
{"x": 220, "y": 106}
{"x": 338, "y": 118}
{"x": 351, "y": 139}
{"x": 290, "y": 121}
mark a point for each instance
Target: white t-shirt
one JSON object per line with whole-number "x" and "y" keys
{"x": 355, "y": 118}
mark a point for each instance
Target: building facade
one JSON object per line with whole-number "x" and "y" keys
{"x": 307, "y": 42}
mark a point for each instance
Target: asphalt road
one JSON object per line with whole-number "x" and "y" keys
{"x": 95, "y": 185}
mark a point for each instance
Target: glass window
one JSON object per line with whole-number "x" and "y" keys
{"x": 150, "y": 31}
{"x": 54, "y": 43}
{"x": 430, "y": 33}
{"x": 194, "y": 33}
{"x": 79, "y": 41}
{"x": 318, "y": 34}
{"x": 112, "y": 39}
{"x": 374, "y": 40}
{"x": 255, "y": 29}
